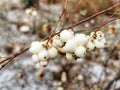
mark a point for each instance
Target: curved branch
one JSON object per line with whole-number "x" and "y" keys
{"x": 93, "y": 16}
{"x": 11, "y": 57}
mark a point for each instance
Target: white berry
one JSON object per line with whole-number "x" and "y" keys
{"x": 70, "y": 46}
{"x": 66, "y": 35}
{"x": 92, "y": 33}
{"x": 53, "y": 52}
{"x": 69, "y": 56}
{"x": 90, "y": 46}
{"x": 57, "y": 42}
{"x": 36, "y": 47}
{"x": 81, "y": 39}
{"x": 38, "y": 66}
{"x": 24, "y": 28}
{"x": 80, "y": 51}
{"x": 35, "y": 58}
{"x": 99, "y": 35}
{"x": 43, "y": 55}
{"x": 100, "y": 43}
{"x": 43, "y": 63}
{"x": 34, "y": 13}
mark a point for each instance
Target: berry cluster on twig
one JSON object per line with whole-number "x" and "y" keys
{"x": 73, "y": 45}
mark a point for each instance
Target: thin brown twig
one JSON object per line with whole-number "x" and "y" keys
{"x": 5, "y": 60}
{"x": 82, "y": 21}
{"x": 65, "y": 5}
{"x": 96, "y": 28}
{"x": 59, "y": 19}
{"x": 56, "y": 25}
{"x": 11, "y": 57}
{"x": 93, "y": 16}
{"x": 92, "y": 28}
{"x": 105, "y": 22}
{"x": 70, "y": 20}
{"x": 69, "y": 16}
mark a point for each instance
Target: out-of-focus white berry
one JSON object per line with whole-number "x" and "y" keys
{"x": 117, "y": 26}
{"x": 99, "y": 35}
{"x": 53, "y": 52}
{"x": 87, "y": 25}
{"x": 34, "y": 13}
{"x": 28, "y": 11}
{"x": 64, "y": 77}
{"x": 80, "y": 39}
{"x": 70, "y": 46}
{"x": 103, "y": 40}
{"x": 92, "y": 35}
{"x": 35, "y": 58}
{"x": 69, "y": 56}
{"x": 66, "y": 35}
{"x": 92, "y": 21}
{"x": 80, "y": 51}
{"x": 31, "y": 11}
{"x": 88, "y": 37}
{"x": 100, "y": 43}
{"x": 36, "y": 47}
{"x": 35, "y": 43}
{"x": 24, "y": 28}
{"x": 38, "y": 66}
{"x": 43, "y": 55}
{"x": 90, "y": 46}
{"x": 43, "y": 63}
{"x": 2, "y": 56}
{"x": 56, "y": 42}
{"x": 26, "y": 20}
{"x": 60, "y": 88}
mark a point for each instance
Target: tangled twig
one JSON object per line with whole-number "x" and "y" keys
{"x": 11, "y": 57}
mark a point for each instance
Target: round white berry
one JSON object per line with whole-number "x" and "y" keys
{"x": 38, "y": 66}
{"x": 99, "y": 35}
{"x": 28, "y": 11}
{"x": 34, "y": 13}
{"x": 35, "y": 43}
{"x": 88, "y": 37}
{"x": 57, "y": 42}
{"x": 80, "y": 39}
{"x": 69, "y": 56}
{"x": 70, "y": 46}
{"x": 43, "y": 55}
{"x": 92, "y": 34}
{"x": 24, "y": 28}
{"x": 36, "y": 47}
{"x": 103, "y": 40}
{"x": 66, "y": 35}
{"x": 90, "y": 46}
{"x": 53, "y": 52}
{"x": 35, "y": 58}
{"x": 80, "y": 51}
{"x": 43, "y": 63}
{"x": 100, "y": 43}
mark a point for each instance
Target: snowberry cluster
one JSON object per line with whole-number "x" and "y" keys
{"x": 73, "y": 45}
{"x": 42, "y": 53}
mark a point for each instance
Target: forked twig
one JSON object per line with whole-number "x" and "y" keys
{"x": 11, "y": 57}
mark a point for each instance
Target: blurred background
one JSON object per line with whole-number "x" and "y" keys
{"x": 24, "y": 21}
